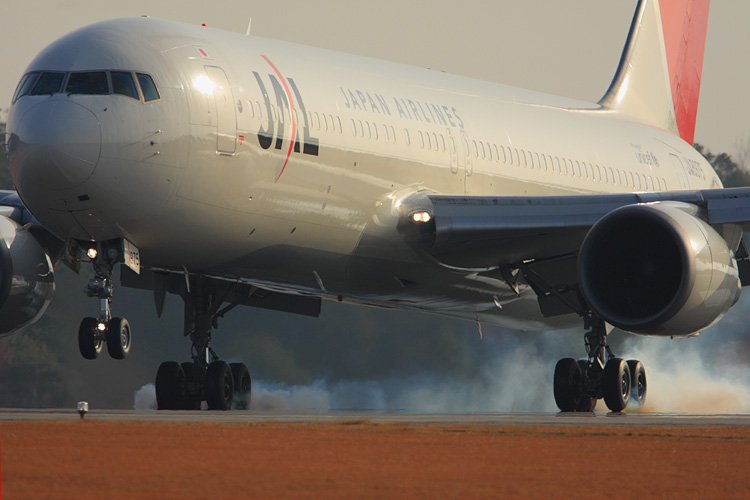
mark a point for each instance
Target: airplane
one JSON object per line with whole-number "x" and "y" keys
{"x": 235, "y": 170}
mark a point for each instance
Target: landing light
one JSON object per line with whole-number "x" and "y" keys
{"x": 101, "y": 327}
{"x": 92, "y": 253}
{"x": 422, "y": 216}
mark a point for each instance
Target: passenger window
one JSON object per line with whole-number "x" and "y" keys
{"x": 375, "y": 131}
{"x": 354, "y": 127}
{"x": 476, "y": 149}
{"x": 24, "y": 86}
{"x": 406, "y": 137}
{"x": 49, "y": 83}
{"x": 442, "y": 142}
{"x": 148, "y": 87}
{"x": 393, "y": 134}
{"x": 93, "y": 83}
{"x": 123, "y": 84}
{"x": 421, "y": 139}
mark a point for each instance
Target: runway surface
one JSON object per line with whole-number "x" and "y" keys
{"x": 499, "y": 419}
{"x": 52, "y": 453}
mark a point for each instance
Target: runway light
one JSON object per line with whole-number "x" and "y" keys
{"x": 422, "y": 216}
{"x": 83, "y": 408}
{"x": 92, "y": 253}
{"x": 101, "y": 327}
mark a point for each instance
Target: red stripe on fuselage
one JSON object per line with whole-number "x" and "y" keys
{"x": 291, "y": 113}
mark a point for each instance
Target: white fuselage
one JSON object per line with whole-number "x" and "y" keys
{"x": 210, "y": 177}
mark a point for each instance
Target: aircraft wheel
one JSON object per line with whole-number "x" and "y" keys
{"x": 567, "y": 384}
{"x": 586, "y": 403}
{"x": 170, "y": 386}
{"x": 616, "y": 384}
{"x": 219, "y": 386}
{"x": 192, "y": 401}
{"x": 638, "y": 382}
{"x": 118, "y": 338}
{"x": 242, "y": 385}
{"x": 90, "y": 342}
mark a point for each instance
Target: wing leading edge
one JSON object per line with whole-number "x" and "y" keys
{"x": 538, "y": 239}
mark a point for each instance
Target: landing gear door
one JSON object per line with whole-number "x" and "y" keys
{"x": 226, "y": 120}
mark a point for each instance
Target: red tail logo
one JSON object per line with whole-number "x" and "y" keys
{"x": 684, "y": 23}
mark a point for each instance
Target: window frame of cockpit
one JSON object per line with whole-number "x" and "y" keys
{"x": 36, "y": 75}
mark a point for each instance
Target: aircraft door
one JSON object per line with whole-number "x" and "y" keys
{"x": 453, "y": 151}
{"x": 680, "y": 171}
{"x": 226, "y": 120}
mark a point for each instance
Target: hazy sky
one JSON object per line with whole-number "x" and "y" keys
{"x": 563, "y": 47}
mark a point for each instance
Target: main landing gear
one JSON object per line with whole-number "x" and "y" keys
{"x": 578, "y": 384}
{"x": 95, "y": 332}
{"x": 184, "y": 386}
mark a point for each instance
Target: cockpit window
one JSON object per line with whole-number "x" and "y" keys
{"x": 24, "y": 86}
{"x": 125, "y": 83}
{"x": 122, "y": 83}
{"x": 88, "y": 83}
{"x": 148, "y": 87}
{"x": 49, "y": 83}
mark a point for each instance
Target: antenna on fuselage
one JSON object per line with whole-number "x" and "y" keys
{"x": 249, "y": 25}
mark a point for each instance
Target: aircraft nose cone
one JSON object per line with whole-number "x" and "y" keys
{"x": 56, "y": 146}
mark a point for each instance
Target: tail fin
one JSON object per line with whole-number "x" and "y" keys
{"x": 659, "y": 77}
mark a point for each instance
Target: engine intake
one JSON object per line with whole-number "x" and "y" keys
{"x": 27, "y": 283}
{"x": 657, "y": 269}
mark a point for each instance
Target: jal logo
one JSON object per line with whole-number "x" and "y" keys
{"x": 289, "y": 99}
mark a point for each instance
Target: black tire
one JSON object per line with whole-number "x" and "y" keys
{"x": 192, "y": 400}
{"x": 118, "y": 338}
{"x": 242, "y": 385}
{"x": 170, "y": 386}
{"x": 587, "y": 403}
{"x": 616, "y": 384}
{"x": 638, "y": 384}
{"x": 567, "y": 384}
{"x": 219, "y": 386}
{"x": 89, "y": 341}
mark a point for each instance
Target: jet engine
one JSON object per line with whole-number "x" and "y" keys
{"x": 657, "y": 269}
{"x": 27, "y": 282}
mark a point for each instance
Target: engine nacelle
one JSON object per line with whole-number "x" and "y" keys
{"x": 657, "y": 269}
{"x": 27, "y": 282}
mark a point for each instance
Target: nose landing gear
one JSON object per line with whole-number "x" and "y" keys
{"x": 93, "y": 333}
{"x": 579, "y": 384}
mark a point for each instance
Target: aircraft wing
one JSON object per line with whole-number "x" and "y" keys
{"x": 540, "y": 238}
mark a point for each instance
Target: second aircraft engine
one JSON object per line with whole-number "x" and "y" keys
{"x": 27, "y": 282}
{"x": 657, "y": 269}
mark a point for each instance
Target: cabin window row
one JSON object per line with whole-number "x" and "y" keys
{"x": 315, "y": 120}
{"x": 565, "y": 166}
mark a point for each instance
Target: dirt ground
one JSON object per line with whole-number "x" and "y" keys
{"x": 94, "y": 459}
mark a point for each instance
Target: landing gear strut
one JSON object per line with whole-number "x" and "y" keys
{"x": 579, "y": 384}
{"x": 205, "y": 378}
{"x": 95, "y": 332}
